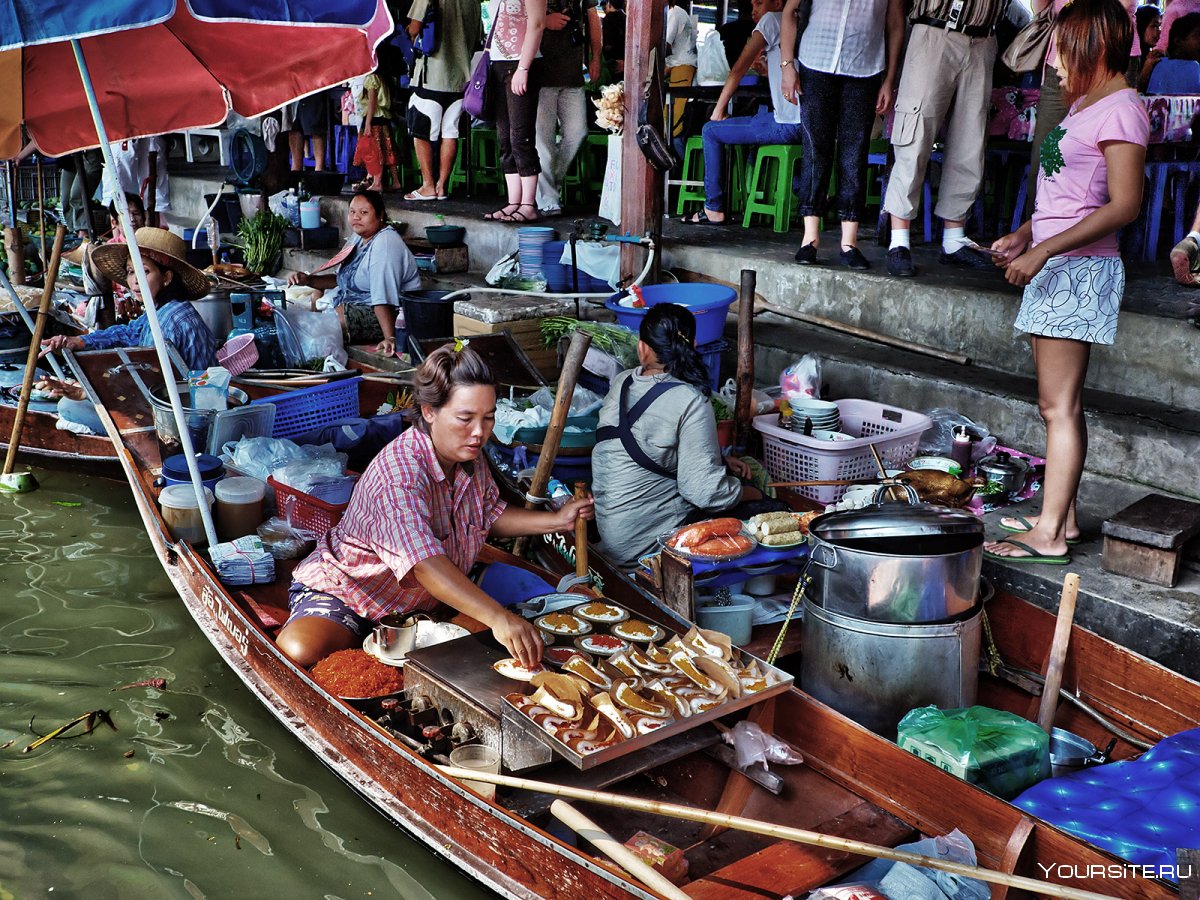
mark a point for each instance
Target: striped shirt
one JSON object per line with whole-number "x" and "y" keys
{"x": 845, "y": 38}
{"x": 181, "y": 326}
{"x": 403, "y": 510}
{"x": 975, "y": 13}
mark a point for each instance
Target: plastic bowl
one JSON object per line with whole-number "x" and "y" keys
{"x": 445, "y": 235}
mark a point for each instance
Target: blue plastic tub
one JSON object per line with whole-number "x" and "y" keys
{"x": 709, "y": 303}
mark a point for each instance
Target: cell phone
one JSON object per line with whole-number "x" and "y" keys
{"x": 999, "y": 254}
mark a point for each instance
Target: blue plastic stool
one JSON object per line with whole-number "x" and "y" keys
{"x": 1160, "y": 174}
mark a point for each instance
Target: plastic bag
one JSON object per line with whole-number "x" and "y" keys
{"x": 583, "y": 401}
{"x": 897, "y": 879}
{"x": 802, "y": 377}
{"x": 259, "y": 457}
{"x": 283, "y": 541}
{"x": 504, "y": 267}
{"x": 752, "y": 745}
{"x": 763, "y": 403}
{"x": 318, "y": 334}
{"x": 938, "y": 439}
{"x": 995, "y": 750}
{"x": 289, "y": 342}
{"x": 712, "y": 65}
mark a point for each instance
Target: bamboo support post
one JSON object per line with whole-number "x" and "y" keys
{"x": 783, "y": 832}
{"x": 744, "y": 409}
{"x": 1058, "y": 651}
{"x": 14, "y": 442}
{"x": 581, "y": 538}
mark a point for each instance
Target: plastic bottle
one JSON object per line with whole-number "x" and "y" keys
{"x": 291, "y": 207}
{"x": 960, "y": 450}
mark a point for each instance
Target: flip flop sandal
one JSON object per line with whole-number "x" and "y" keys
{"x": 701, "y": 218}
{"x": 502, "y": 214}
{"x": 417, "y": 196}
{"x": 1033, "y": 557}
{"x": 520, "y": 217}
{"x": 1027, "y": 526}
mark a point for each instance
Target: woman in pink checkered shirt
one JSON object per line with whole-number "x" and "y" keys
{"x": 415, "y": 524}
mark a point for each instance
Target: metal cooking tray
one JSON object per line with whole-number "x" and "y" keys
{"x": 511, "y": 715}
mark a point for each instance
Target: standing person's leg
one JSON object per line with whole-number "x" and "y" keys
{"x": 547, "y": 146}
{"x": 1061, "y": 369}
{"x": 858, "y": 98}
{"x": 296, "y": 148}
{"x": 714, "y": 137}
{"x": 821, "y": 101}
{"x": 71, "y": 200}
{"x": 423, "y": 118}
{"x": 966, "y": 140}
{"x": 679, "y": 76}
{"x": 523, "y": 127}
{"x": 500, "y": 76}
{"x": 572, "y": 119}
{"x": 451, "y": 121}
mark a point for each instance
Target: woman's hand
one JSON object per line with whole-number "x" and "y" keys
{"x": 1011, "y": 245}
{"x": 301, "y": 278}
{"x": 789, "y": 84}
{"x": 520, "y": 82}
{"x": 572, "y": 510}
{"x": 885, "y": 99}
{"x": 520, "y": 638}
{"x": 738, "y": 466}
{"x": 718, "y": 114}
{"x": 61, "y": 342}
{"x": 57, "y": 389}
{"x": 556, "y": 21}
{"x": 386, "y": 347}
{"x": 1022, "y": 269}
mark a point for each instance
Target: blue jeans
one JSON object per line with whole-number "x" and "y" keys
{"x": 753, "y": 131}
{"x": 81, "y": 412}
{"x": 842, "y": 109}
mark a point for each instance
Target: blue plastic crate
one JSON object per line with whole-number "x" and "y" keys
{"x": 306, "y": 409}
{"x": 711, "y": 353}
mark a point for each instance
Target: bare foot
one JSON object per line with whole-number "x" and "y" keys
{"x": 1017, "y": 526}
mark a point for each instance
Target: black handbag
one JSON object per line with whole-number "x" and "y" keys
{"x": 651, "y": 127}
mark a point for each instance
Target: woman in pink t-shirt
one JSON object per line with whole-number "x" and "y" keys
{"x": 1066, "y": 256}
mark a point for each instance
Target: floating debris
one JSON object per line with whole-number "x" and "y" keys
{"x": 89, "y": 718}
{"x": 128, "y": 754}
{"x": 70, "y": 504}
{"x": 156, "y": 683}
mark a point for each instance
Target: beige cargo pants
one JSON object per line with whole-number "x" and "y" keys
{"x": 945, "y": 72}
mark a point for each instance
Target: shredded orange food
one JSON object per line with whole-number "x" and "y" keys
{"x": 355, "y": 673}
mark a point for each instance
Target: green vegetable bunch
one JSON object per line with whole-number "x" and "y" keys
{"x": 720, "y": 408}
{"x": 262, "y": 239}
{"x": 615, "y": 340}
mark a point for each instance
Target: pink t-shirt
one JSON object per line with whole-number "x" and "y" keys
{"x": 1174, "y": 11}
{"x": 1072, "y": 174}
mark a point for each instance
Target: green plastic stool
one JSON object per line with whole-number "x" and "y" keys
{"x": 458, "y": 174}
{"x": 693, "y": 170}
{"x": 596, "y": 150}
{"x": 485, "y": 161}
{"x": 770, "y": 183}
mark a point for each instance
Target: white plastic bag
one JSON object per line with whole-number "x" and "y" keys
{"x": 802, "y": 377}
{"x": 712, "y": 65}
{"x": 583, "y": 401}
{"x": 753, "y": 745}
{"x": 504, "y": 267}
{"x": 610, "y": 191}
{"x": 319, "y": 334}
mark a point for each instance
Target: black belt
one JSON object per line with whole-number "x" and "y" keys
{"x": 975, "y": 31}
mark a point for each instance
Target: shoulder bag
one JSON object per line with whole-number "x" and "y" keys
{"x": 653, "y": 143}
{"x": 477, "y": 98}
{"x": 1028, "y": 49}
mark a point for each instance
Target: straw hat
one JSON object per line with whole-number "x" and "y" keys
{"x": 164, "y": 248}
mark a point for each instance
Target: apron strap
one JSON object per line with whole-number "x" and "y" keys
{"x": 623, "y": 430}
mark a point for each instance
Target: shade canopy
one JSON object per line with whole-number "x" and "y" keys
{"x": 161, "y": 66}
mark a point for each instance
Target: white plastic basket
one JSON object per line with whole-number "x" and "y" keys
{"x": 793, "y": 457}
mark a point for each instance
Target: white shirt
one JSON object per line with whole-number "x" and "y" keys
{"x": 681, "y": 38}
{"x": 845, "y": 38}
{"x": 785, "y": 113}
{"x": 132, "y": 160}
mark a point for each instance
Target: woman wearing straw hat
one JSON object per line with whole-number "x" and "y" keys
{"x": 173, "y": 282}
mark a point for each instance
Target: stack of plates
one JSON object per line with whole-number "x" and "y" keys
{"x": 823, "y": 414}
{"x": 530, "y": 243}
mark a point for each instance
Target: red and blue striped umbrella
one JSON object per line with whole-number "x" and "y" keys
{"x": 161, "y": 66}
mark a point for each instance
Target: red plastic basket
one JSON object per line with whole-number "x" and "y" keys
{"x": 306, "y": 511}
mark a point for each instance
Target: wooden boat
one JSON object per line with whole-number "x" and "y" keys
{"x": 852, "y": 783}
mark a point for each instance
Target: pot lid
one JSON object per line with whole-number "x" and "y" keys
{"x": 1002, "y": 463}
{"x": 175, "y": 467}
{"x": 894, "y": 520}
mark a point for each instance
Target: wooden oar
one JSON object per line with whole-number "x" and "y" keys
{"x": 744, "y": 407}
{"x": 784, "y": 832}
{"x": 581, "y": 540}
{"x": 572, "y": 364}
{"x": 1058, "y": 651}
{"x": 614, "y": 850}
{"x": 23, "y": 482}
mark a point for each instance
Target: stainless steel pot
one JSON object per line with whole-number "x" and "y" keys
{"x": 1004, "y": 470}
{"x": 216, "y": 310}
{"x": 897, "y": 562}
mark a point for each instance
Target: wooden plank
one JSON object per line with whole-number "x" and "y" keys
{"x": 467, "y": 325}
{"x": 790, "y": 868}
{"x": 1141, "y": 561}
{"x": 678, "y": 593}
{"x": 737, "y": 786}
{"x": 1012, "y": 854}
{"x": 1188, "y": 865}
{"x": 1156, "y": 521}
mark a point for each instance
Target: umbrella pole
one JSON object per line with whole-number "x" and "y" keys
{"x": 135, "y": 255}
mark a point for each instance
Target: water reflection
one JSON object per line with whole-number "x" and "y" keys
{"x": 200, "y": 793}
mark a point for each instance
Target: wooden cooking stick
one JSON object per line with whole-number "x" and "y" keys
{"x": 1058, "y": 651}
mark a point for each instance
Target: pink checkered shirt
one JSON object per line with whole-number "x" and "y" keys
{"x": 403, "y": 510}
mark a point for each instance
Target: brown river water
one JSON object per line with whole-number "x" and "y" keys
{"x": 216, "y": 800}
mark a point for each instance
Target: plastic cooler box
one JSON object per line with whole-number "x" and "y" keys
{"x": 709, "y": 303}
{"x": 790, "y": 456}
{"x": 301, "y": 411}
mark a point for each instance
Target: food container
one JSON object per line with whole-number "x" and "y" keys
{"x": 239, "y": 506}
{"x": 181, "y": 512}
{"x": 1005, "y": 470}
{"x": 445, "y": 235}
{"x": 936, "y": 463}
{"x": 734, "y": 619}
{"x": 1069, "y": 753}
{"x": 897, "y": 562}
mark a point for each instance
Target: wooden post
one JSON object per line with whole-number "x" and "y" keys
{"x": 41, "y": 202}
{"x": 744, "y": 410}
{"x": 641, "y": 185}
{"x": 1058, "y": 651}
{"x": 581, "y": 539}
{"x": 14, "y": 247}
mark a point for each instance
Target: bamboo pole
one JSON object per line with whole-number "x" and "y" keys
{"x": 784, "y": 832}
{"x": 581, "y": 539}
{"x": 572, "y": 364}
{"x": 14, "y": 442}
{"x": 615, "y": 850}
{"x": 744, "y": 408}
{"x": 41, "y": 202}
{"x": 1058, "y": 651}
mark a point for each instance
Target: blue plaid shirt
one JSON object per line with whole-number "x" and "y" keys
{"x": 181, "y": 326}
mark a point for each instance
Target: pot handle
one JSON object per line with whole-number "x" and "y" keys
{"x": 910, "y": 493}
{"x": 817, "y": 550}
